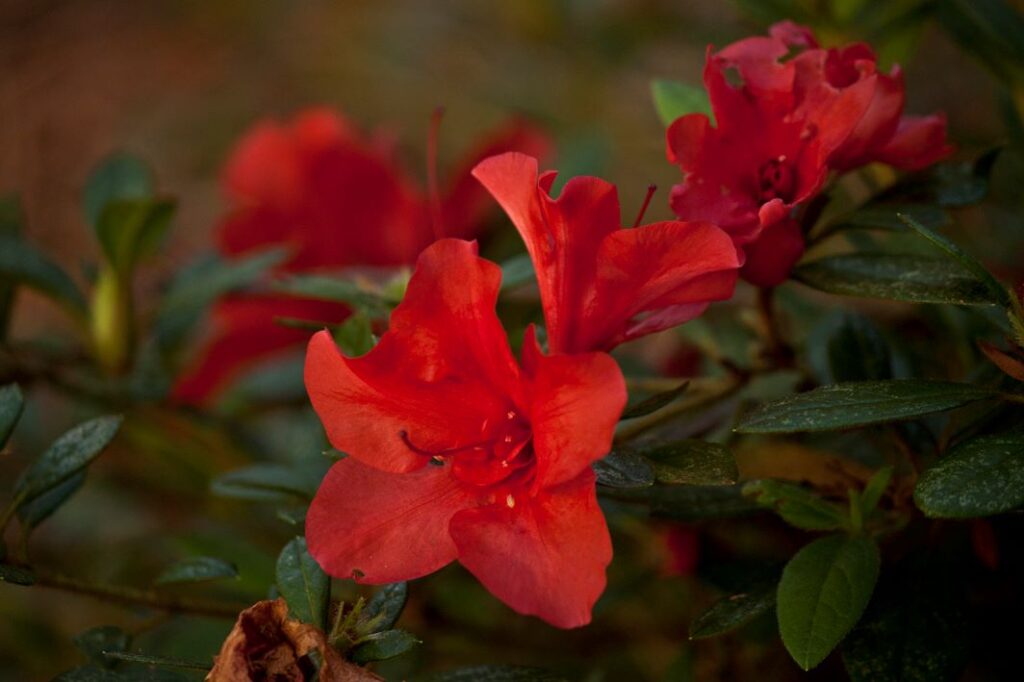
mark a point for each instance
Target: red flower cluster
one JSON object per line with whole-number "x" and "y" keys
{"x": 335, "y": 199}
{"x": 457, "y": 452}
{"x": 787, "y": 112}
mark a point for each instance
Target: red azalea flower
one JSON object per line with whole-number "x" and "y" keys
{"x": 336, "y": 199}
{"x": 601, "y": 285}
{"x": 456, "y": 452}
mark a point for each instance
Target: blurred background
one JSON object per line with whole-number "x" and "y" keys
{"x": 177, "y": 82}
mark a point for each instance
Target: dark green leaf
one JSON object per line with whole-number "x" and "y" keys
{"x": 23, "y": 264}
{"x": 860, "y": 403}
{"x": 875, "y": 488}
{"x": 37, "y": 510}
{"x": 516, "y": 271}
{"x": 98, "y": 641}
{"x": 979, "y": 477}
{"x": 334, "y": 289}
{"x": 197, "y": 569}
{"x": 355, "y": 335}
{"x": 619, "y": 469}
{"x": 673, "y": 99}
{"x": 11, "y": 405}
{"x": 68, "y": 455}
{"x": 824, "y": 590}
{"x": 999, "y": 294}
{"x": 16, "y": 575}
{"x": 849, "y": 347}
{"x": 11, "y": 220}
{"x": 796, "y": 505}
{"x": 89, "y": 673}
{"x": 951, "y": 184}
{"x": 272, "y": 482}
{"x": 693, "y": 462}
{"x": 384, "y": 608}
{"x": 160, "y": 661}
{"x": 496, "y": 673}
{"x": 303, "y": 583}
{"x": 887, "y": 217}
{"x": 734, "y": 611}
{"x": 654, "y": 403}
{"x": 119, "y": 176}
{"x": 691, "y": 502}
{"x": 383, "y": 645}
{"x": 894, "y": 277}
{"x": 130, "y": 230}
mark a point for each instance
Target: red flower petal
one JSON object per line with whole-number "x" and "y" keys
{"x": 576, "y": 403}
{"x": 773, "y": 255}
{"x": 919, "y": 142}
{"x": 543, "y": 556}
{"x": 443, "y": 369}
{"x": 381, "y": 528}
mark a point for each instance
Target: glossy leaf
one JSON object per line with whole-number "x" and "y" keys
{"x": 37, "y": 510}
{"x": 21, "y": 263}
{"x": 384, "y": 608}
{"x": 654, "y": 403}
{"x": 733, "y": 611}
{"x": 197, "y": 569}
{"x": 303, "y": 583}
{"x": 622, "y": 469}
{"x": 693, "y": 462}
{"x": 894, "y": 277}
{"x": 860, "y": 403}
{"x": 673, "y": 99}
{"x": 797, "y": 506}
{"x": 979, "y": 477}
{"x": 11, "y": 405}
{"x": 68, "y": 455}
{"x": 383, "y": 645}
{"x": 824, "y": 590}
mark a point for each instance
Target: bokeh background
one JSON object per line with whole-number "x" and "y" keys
{"x": 177, "y": 81}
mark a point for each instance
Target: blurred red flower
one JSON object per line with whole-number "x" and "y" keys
{"x": 786, "y": 113}
{"x": 335, "y": 198}
{"x": 601, "y": 285}
{"x": 456, "y": 452}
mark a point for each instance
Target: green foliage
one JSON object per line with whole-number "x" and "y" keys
{"x": 824, "y": 589}
{"x": 11, "y": 405}
{"x": 496, "y": 673}
{"x": 303, "y": 583}
{"x": 692, "y": 462}
{"x": 197, "y": 569}
{"x": 734, "y": 611}
{"x": 355, "y": 335}
{"x": 98, "y": 641}
{"x": 517, "y": 271}
{"x": 654, "y": 403}
{"x": 130, "y": 230}
{"x": 383, "y": 645}
{"x": 620, "y": 469}
{"x": 673, "y": 99}
{"x": 978, "y": 477}
{"x": 119, "y": 177}
{"x": 21, "y": 263}
{"x": 382, "y": 611}
{"x": 798, "y": 506}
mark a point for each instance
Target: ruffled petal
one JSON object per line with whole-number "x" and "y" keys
{"x": 544, "y": 556}
{"x": 919, "y": 142}
{"x": 379, "y": 527}
{"x": 774, "y": 254}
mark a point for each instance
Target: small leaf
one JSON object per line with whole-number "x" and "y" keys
{"x": 37, "y": 510}
{"x": 734, "y": 611}
{"x": 654, "y": 403}
{"x": 516, "y": 272}
{"x": 496, "y": 673}
{"x": 355, "y": 335}
{"x": 303, "y": 583}
{"x": 68, "y": 455}
{"x": 119, "y": 176}
{"x": 97, "y": 641}
{"x": 197, "y": 569}
{"x": 384, "y": 608}
{"x": 894, "y": 277}
{"x": 860, "y": 403}
{"x": 824, "y": 590}
{"x": 693, "y": 462}
{"x": 383, "y": 645}
{"x": 23, "y": 264}
{"x": 272, "y": 482}
{"x": 979, "y": 477}
{"x": 875, "y": 488}
{"x": 797, "y": 506}
{"x": 130, "y": 230}
{"x": 17, "y": 575}
{"x": 673, "y": 99}
{"x": 11, "y": 405}
{"x": 620, "y": 469}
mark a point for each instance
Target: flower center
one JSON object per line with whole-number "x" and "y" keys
{"x": 504, "y": 455}
{"x": 776, "y": 179}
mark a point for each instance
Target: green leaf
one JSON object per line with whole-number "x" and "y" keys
{"x": 734, "y": 611}
{"x": 691, "y": 502}
{"x": 68, "y": 455}
{"x": 894, "y": 277}
{"x": 673, "y": 99}
{"x": 860, "y": 403}
{"x": 384, "y": 608}
{"x": 17, "y": 575}
{"x": 88, "y": 673}
{"x": 383, "y": 645}
{"x": 11, "y": 405}
{"x": 654, "y": 403}
{"x": 796, "y": 505}
{"x": 334, "y": 289}
{"x": 21, "y": 263}
{"x": 355, "y": 335}
{"x": 272, "y": 482}
{"x": 516, "y": 272}
{"x": 496, "y": 673}
{"x": 824, "y": 590}
{"x": 97, "y": 641}
{"x": 118, "y": 177}
{"x": 620, "y": 469}
{"x": 875, "y": 488}
{"x": 886, "y": 217}
{"x": 950, "y": 185}
{"x": 978, "y": 477}
{"x": 130, "y": 230}
{"x": 37, "y": 510}
{"x": 11, "y": 220}
{"x": 303, "y": 583}
{"x": 849, "y": 347}
{"x": 197, "y": 569}
{"x": 998, "y": 293}
{"x": 693, "y": 462}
